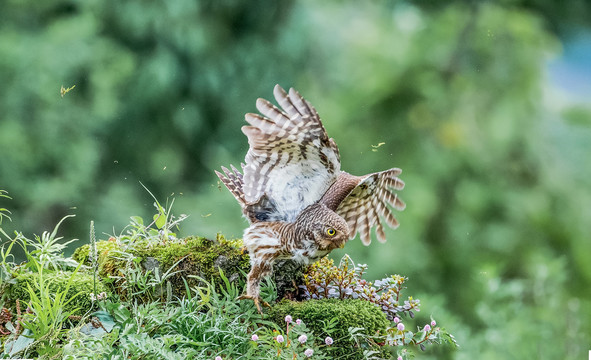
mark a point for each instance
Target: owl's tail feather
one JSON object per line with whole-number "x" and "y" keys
{"x": 234, "y": 182}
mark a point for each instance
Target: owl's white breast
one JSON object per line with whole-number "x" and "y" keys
{"x": 301, "y": 184}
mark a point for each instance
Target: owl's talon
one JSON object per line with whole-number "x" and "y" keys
{"x": 257, "y": 302}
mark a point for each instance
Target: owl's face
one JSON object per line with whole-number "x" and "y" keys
{"x": 329, "y": 230}
{"x": 331, "y": 235}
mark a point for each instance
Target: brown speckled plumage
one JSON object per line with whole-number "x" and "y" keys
{"x": 299, "y": 203}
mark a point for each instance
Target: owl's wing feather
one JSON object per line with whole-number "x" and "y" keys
{"x": 371, "y": 200}
{"x": 291, "y": 160}
{"x": 234, "y": 182}
{"x": 263, "y": 210}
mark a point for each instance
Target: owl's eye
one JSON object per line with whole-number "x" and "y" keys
{"x": 331, "y": 232}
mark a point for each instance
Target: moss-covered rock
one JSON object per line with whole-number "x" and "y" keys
{"x": 80, "y": 283}
{"x": 348, "y": 313}
{"x": 288, "y": 276}
{"x": 192, "y": 258}
{"x": 103, "y": 249}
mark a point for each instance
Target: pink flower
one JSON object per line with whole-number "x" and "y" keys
{"x": 399, "y": 358}
{"x": 309, "y": 352}
{"x": 218, "y": 358}
{"x": 280, "y": 339}
{"x": 302, "y": 339}
{"x": 298, "y": 321}
{"x": 433, "y": 323}
{"x": 396, "y": 320}
{"x": 254, "y": 337}
{"x": 400, "y": 326}
{"x": 328, "y": 341}
{"x": 427, "y": 328}
{"x": 288, "y": 319}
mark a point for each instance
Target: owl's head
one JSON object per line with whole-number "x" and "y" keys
{"x": 329, "y": 230}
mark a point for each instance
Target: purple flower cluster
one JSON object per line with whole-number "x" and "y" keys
{"x": 101, "y": 296}
{"x": 399, "y": 335}
{"x": 294, "y": 341}
{"x": 324, "y": 280}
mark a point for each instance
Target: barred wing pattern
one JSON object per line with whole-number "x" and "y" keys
{"x": 291, "y": 161}
{"x": 234, "y": 181}
{"x": 369, "y": 201}
{"x": 263, "y": 210}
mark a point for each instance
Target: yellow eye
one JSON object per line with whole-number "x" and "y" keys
{"x": 331, "y": 232}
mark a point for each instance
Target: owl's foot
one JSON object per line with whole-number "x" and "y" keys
{"x": 257, "y": 301}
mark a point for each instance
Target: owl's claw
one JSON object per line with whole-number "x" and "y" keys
{"x": 257, "y": 301}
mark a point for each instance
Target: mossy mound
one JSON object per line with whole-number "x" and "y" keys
{"x": 195, "y": 258}
{"x": 348, "y": 313}
{"x": 104, "y": 248}
{"x": 57, "y": 281}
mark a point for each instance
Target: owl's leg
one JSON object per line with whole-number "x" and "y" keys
{"x": 258, "y": 271}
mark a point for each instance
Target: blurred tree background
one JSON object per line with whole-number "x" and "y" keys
{"x": 495, "y": 153}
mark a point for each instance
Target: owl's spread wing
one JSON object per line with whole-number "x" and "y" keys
{"x": 263, "y": 210}
{"x": 371, "y": 200}
{"x": 291, "y": 160}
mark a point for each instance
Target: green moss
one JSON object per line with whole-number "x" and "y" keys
{"x": 196, "y": 256}
{"x": 80, "y": 283}
{"x": 199, "y": 257}
{"x": 104, "y": 250}
{"x": 81, "y": 254}
{"x": 347, "y": 313}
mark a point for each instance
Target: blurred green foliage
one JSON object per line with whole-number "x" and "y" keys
{"x": 498, "y": 180}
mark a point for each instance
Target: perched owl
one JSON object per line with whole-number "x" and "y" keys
{"x": 299, "y": 203}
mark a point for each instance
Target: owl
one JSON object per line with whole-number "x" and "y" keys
{"x": 298, "y": 201}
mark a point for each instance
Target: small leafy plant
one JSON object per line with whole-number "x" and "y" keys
{"x": 324, "y": 280}
{"x": 47, "y": 249}
{"x": 4, "y": 213}
{"x": 159, "y": 230}
{"x": 48, "y": 312}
